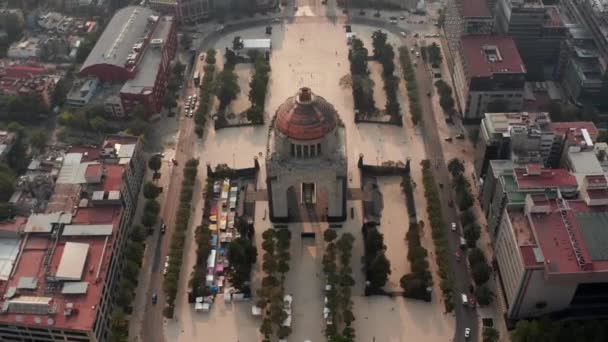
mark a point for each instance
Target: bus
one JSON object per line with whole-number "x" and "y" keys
{"x": 197, "y": 78}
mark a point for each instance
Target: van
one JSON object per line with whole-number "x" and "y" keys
{"x": 465, "y": 300}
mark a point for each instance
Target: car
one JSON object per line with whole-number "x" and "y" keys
{"x": 417, "y": 54}
{"x": 457, "y": 255}
{"x": 454, "y": 226}
{"x": 428, "y": 93}
{"x": 154, "y": 298}
{"x": 412, "y": 50}
{"x": 163, "y": 228}
{"x": 393, "y": 22}
{"x": 448, "y": 139}
{"x": 174, "y": 161}
{"x": 190, "y": 98}
{"x": 467, "y": 332}
{"x": 220, "y": 28}
{"x": 161, "y": 154}
{"x": 403, "y": 34}
{"x": 276, "y": 20}
{"x": 402, "y": 17}
{"x": 393, "y": 18}
{"x": 460, "y": 136}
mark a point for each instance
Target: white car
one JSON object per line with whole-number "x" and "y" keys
{"x": 454, "y": 227}
{"x": 467, "y": 332}
{"x": 403, "y": 34}
{"x": 417, "y": 54}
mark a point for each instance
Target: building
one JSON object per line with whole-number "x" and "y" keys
{"x": 506, "y": 186}
{"x": 463, "y": 18}
{"x": 306, "y": 161}
{"x": 538, "y": 31}
{"x": 135, "y": 50}
{"x": 521, "y": 137}
{"x": 24, "y": 79}
{"x": 27, "y": 48}
{"x": 61, "y": 267}
{"x": 551, "y": 254}
{"x": 489, "y": 76}
{"x": 263, "y": 45}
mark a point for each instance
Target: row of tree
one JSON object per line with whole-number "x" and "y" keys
{"x": 363, "y": 86}
{"x": 340, "y": 281}
{"x": 258, "y": 88}
{"x": 446, "y": 101}
{"x": 176, "y": 78}
{"x": 410, "y": 84}
{"x": 205, "y": 98}
{"x": 24, "y": 109}
{"x": 375, "y": 264}
{"x": 438, "y": 232}
{"x": 226, "y": 84}
{"x": 480, "y": 270}
{"x": 133, "y": 255}
{"x": 384, "y": 53}
{"x": 12, "y": 25}
{"x": 271, "y": 295}
{"x": 178, "y": 238}
{"x": 416, "y": 284}
{"x": 545, "y": 330}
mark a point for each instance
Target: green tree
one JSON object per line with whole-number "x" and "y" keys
{"x": 152, "y": 207}
{"x": 490, "y": 335}
{"x": 476, "y": 256}
{"x": 467, "y": 217}
{"x": 472, "y": 234}
{"x": 378, "y": 43}
{"x": 484, "y": 295}
{"x": 237, "y": 43}
{"x": 255, "y": 114}
{"x": 85, "y": 47}
{"x": 456, "y": 167}
{"x": 210, "y": 58}
{"x": 151, "y": 191}
{"x": 329, "y": 235}
{"x": 138, "y": 127}
{"x": 226, "y": 87}
{"x": 169, "y": 101}
{"x": 120, "y": 326}
{"x": 378, "y": 271}
{"x": 480, "y": 273}
{"x": 433, "y": 54}
{"x": 7, "y": 210}
{"x": 185, "y": 41}
{"x": 99, "y": 124}
{"x": 155, "y": 162}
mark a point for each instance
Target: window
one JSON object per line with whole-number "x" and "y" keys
{"x": 306, "y": 151}
{"x": 299, "y": 151}
{"x": 293, "y": 150}
{"x": 318, "y": 149}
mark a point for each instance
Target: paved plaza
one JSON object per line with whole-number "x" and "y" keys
{"x": 299, "y": 58}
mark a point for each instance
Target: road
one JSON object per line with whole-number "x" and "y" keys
{"x": 153, "y": 320}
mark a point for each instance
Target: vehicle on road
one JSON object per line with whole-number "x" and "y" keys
{"x": 457, "y": 255}
{"x": 460, "y": 136}
{"x": 403, "y": 34}
{"x": 417, "y": 54}
{"x": 467, "y": 332}
{"x": 448, "y": 139}
{"x": 402, "y": 17}
{"x": 463, "y": 243}
{"x": 465, "y": 299}
{"x": 163, "y": 228}
{"x": 220, "y": 28}
{"x": 276, "y": 20}
{"x": 174, "y": 161}
{"x": 154, "y": 298}
{"x": 454, "y": 227}
{"x": 451, "y": 203}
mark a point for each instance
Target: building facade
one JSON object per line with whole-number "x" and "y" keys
{"x": 306, "y": 161}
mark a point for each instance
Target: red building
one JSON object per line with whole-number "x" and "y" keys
{"x": 136, "y": 49}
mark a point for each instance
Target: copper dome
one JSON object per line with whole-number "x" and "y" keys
{"x": 306, "y": 116}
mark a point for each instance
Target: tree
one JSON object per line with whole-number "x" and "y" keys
{"x": 481, "y": 273}
{"x": 151, "y": 191}
{"x": 467, "y": 217}
{"x": 98, "y": 123}
{"x": 7, "y": 210}
{"x": 138, "y": 127}
{"x": 476, "y": 256}
{"x": 151, "y": 207}
{"x": 456, "y": 167}
{"x": 169, "y": 101}
{"x": 185, "y": 41}
{"x": 226, "y": 87}
{"x": 378, "y": 271}
{"x": 433, "y": 54}
{"x": 210, "y": 59}
{"x": 484, "y": 295}
{"x": 138, "y": 234}
{"x": 378, "y": 43}
{"x": 7, "y": 182}
{"x": 237, "y": 43}
{"x": 155, "y": 162}
{"x": 255, "y": 114}
{"x": 464, "y": 199}
{"x": 149, "y": 219}
{"x": 472, "y": 234}
{"x": 59, "y": 93}
{"x": 329, "y": 235}
{"x": 85, "y": 47}
{"x": 120, "y": 326}
{"x": 490, "y": 335}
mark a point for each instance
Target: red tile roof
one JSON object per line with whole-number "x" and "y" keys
{"x": 596, "y": 180}
{"x": 478, "y": 64}
{"x": 572, "y": 130}
{"x": 113, "y": 177}
{"x": 527, "y": 254}
{"x": 475, "y": 8}
{"x": 306, "y": 119}
{"x": 548, "y": 178}
{"x": 22, "y": 71}
{"x": 13, "y": 225}
{"x": 89, "y": 153}
{"x": 555, "y": 243}
{"x": 93, "y": 170}
{"x": 31, "y": 265}
{"x": 596, "y": 194}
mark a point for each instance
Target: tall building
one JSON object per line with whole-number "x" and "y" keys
{"x": 135, "y": 50}
{"x": 538, "y": 31}
{"x": 520, "y": 137}
{"x": 551, "y": 255}
{"x": 489, "y": 76}
{"x": 193, "y": 11}
{"x": 61, "y": 268}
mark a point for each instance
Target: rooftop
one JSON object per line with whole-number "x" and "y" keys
{"x": 554, "y": 18}
{"x": 126, "y": 28}
{"x": 536, "y": 178}
{"x": 143, "y": 82}
{"x": 501, "y": 122}
{"x": 575, "y": 131}
{"x": 487, "y": 55}
{"x": 475, "y": 9}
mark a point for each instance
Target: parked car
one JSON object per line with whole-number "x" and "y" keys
{"x": 403, "y": 34}
{"x": 154, "y": 298}
{"x": 454, "y": 226}
{"x": 163, "y": 228}
{"x": 394, "y": 22}
{"x": 467, "y": 332}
